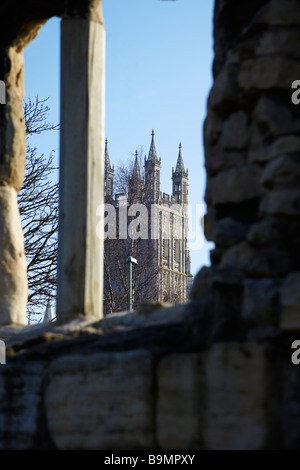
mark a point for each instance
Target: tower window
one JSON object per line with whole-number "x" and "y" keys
{"x": 165, "y": 246}
{"x": 176, "y": 250}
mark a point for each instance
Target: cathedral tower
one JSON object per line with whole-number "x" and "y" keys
{"x": 163, "y": 269}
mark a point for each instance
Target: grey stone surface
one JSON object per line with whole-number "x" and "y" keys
{"x": 20, "y": 393}
{"x": 180, "y": 404}
{"x": 290, "y": 302}
{"x": 265, "y": 73}
{"x": 235, "y": 133}
{"x": 262, "y": 153}
{"x": 283, "y": 201}
{"x": 278, "y": 42}
{"x": 261, "y": 301}
{"x": 275, "y": 13}
{"x": 102, "y": 401}
{"x": 281, "y": 172}
{"x": 228, "y": 232}
{"x": 234, "y": 185}
{"x": 236, "y": 407}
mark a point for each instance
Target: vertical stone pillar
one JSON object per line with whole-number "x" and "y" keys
{"x": 13, "y": 278}
{"x": 80, "y": 252}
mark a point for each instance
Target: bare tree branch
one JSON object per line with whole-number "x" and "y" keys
{"x": 38, "y": 204}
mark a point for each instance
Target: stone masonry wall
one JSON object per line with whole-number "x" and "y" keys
{"x": 216, "y": 372}
{"x": 162, "y": 380}
{"x": 252, "y": 148}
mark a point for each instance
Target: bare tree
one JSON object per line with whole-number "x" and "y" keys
{"x": 38, "y": 203}
{"x": 144, "y": 280}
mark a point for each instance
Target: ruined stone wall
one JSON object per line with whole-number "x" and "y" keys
{"x": 144, "y": 381}
{"x": 217, "y": 372}
{"x": 171, "y": 379}
{"x": 252, "y": 159}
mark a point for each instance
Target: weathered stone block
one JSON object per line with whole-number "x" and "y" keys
{"x": 230, "y": 277}
{"x": 265, "y": 232}
{"x": 225, "y": 88}
{"x": 290, "y": 302}
{"x": 239, "y": 403}
{"x": 212, "y": 127}
{"x": 261, "y": 302}
{"x": 273, "y": 118}
{"x": 239, "y": 256}
{"x": 101, "y": 401}
{"x": 235, "y": 185}
{"x": 268, "y": 262}
{"x": 179, "y": 407}
{"x": 264, "y": 73}
{"x": 281, "y": 202}
{"x": 227, "y": 151}
{"x": 278, "y": 42}
{"x": 219, "y": 160}
{"x": 277, "y": 13}
{"x": 201, "y": 283}
{"x": 235, "y": 132}
{"x": 20, "y": 400}
{"x": 228, "y": 232}
{"x": 283, "y": 170}
{"x": 262, "y": 153}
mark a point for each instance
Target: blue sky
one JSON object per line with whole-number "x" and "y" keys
{"x": 158, "y": 75}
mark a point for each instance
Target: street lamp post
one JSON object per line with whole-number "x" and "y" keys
{"x": 130, "y": 260}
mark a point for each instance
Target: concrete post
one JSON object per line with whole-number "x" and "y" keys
{"x": 80, "y": 252}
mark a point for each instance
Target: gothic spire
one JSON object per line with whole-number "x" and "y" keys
{"x": 107, "y": 160}
{"x": 179, "y": 165}
{"x": 136, "y": 169}
{"x": 152, "y": 152}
